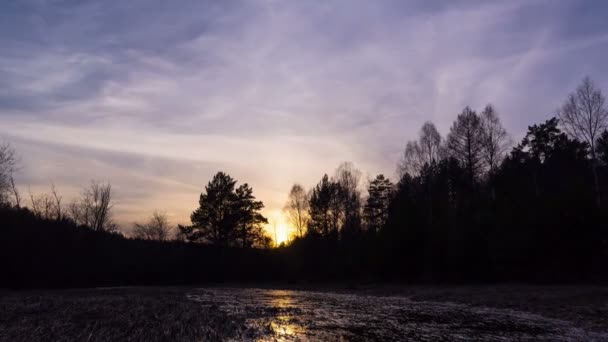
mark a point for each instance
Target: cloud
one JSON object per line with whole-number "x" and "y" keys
{"x": 157, "y": 97}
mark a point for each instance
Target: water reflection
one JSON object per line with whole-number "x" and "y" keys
{"x": 281, "y": 315}
{"x": 283, "y": 325}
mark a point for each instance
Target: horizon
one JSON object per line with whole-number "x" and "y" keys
{"x": 155, "y": 101}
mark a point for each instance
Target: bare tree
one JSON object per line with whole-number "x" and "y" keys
{"x": 101, "y": 197}
{"x": 427, "y": 150}
{"x": 94, "y": 207}
{"x": 584, "y": 116}
{"x": 79, "y": 212}
{"x": 411, "y": 161}
{"x": 430, "y": 143}
{"x": 465, "y": 142}
{"x": 45, "y": 205}
{"x": 495, "y": 138}
{"x": 56, "y": 203}
{"x": 34, "y": 203}
{"x": 496, "y": 141}
{"x": 8, "y": 162}
{"x": 297, "y": 209}
{"x": 157, "y": 228}
{"x": 347, "y": 178}
{"x": 41, "y": 205}
{"x": 15, "y": 193}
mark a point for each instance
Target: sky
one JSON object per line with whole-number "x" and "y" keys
{"x": 157, "y": 96}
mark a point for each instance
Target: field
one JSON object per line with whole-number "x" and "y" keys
{"x": 432, "y": 313}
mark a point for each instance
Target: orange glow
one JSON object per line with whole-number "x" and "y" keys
{"x": 279, "y": 228}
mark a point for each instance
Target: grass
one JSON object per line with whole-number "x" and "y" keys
{"x": 375, "y": 313}
{"x": 110, "y": 315}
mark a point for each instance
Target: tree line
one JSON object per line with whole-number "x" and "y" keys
{"x": 473, "y": 205}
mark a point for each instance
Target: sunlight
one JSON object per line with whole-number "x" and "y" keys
{"x": 278, "y": 228}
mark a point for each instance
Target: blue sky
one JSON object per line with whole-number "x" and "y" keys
{"x": 156, "y": 96}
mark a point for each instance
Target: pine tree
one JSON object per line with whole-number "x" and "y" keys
{"x": 375, "y": 211}
{"x": 227, "y": 217}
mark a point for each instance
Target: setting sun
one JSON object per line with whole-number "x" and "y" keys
{"x": 278, "y": 227}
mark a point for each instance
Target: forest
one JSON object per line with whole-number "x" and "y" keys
{"x": 473, "y": 206}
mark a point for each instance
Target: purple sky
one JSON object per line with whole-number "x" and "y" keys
{"x": 157, "y": 96}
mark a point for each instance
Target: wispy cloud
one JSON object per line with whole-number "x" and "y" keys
{"x": 157, "y": 97}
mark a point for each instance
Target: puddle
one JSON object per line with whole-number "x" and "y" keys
{"x": 285, "y": 315}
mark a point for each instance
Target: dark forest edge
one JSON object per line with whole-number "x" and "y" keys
{"x": 463, "y": 210}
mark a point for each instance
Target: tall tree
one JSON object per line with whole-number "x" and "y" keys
{"x": 495, "y": 143}
{"x": 465, "y": 143}
{"x": 430, "y": 143}
{"x": 421, "y": 157}
{"x": 297, "y": 209}
{"x": 347, "y": 179}
{"x": 411, "y": 162}
{"x": 249, "y": 220}
{"x": 584, "y": 116}
{"x": 544, "y": 143}
{"x": 495, "y": 138}
{"x": 325, "y": 209}
{"x": 213, "y": 221}
{"x": 227, "y": 217}
{"x": 99, "y": 198}
{"x": 376, "y": 207}
{"x": 427, "y": 150}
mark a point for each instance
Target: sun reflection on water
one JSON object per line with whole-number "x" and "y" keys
{"x": 284, "y": 325}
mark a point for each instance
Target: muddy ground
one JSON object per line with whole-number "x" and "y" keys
{"x": 383, "y": 313}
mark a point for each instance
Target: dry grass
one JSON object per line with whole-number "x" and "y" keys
{"x": 584, "y": 305}
{"x": 110, "y": 315}
{"x": 500, "y": 313}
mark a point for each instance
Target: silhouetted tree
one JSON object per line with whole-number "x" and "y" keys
{"x": 430, "y": 143}
{"x": 42, "y": 205}
{"x": 226, "y": 217}
{"x": 15, "y": 193}
{"x": 94, "y": 208}
{"x": 157, "y": 228}
{"x": 438, "y": 222}
{"x": 297, "y": 209}
{"x": 58, "y": 211}
{"x": 411, "y": 162}
{"x": 546, "y": 145}
{"x": 375, "y": 211}
{"x": 8, "y": 161}
{"x": 465, "y": 143}
{"x": 347, "y": 180}
{"x": 326, "y": 212}
{"x": 249, "y": 229}
{"x": 214, "y": 221}
{"x": 426, "y": 150}
{"x": 584, "y": 116}
{"x": 495, "y": 143}
{"x": 547, "y": 188}
{"x": 495, "y": 138}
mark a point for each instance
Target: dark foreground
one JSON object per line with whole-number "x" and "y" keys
{"x": 503, "y": 313}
